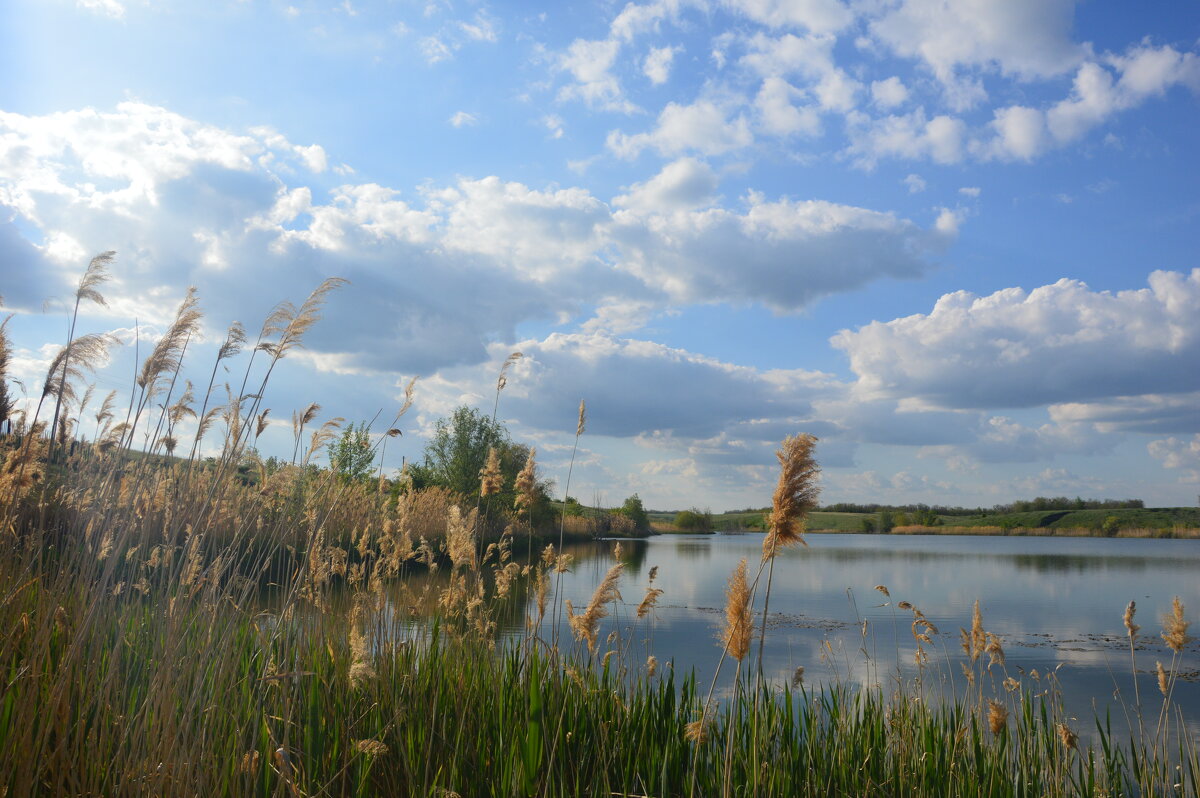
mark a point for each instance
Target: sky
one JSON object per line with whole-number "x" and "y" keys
{"x": 957, "y": 242}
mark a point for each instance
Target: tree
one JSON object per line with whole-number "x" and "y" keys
{"x": 635, "y": 512}
{"x": 459, "y": 449}
{"x": 352, "y": 456}
{"x": 693, "y": 520}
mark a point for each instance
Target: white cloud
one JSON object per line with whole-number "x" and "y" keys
{"x": 916, "y": 184}
{"x": 657, "y": 65}
{"x": 590, "y": 62}
{"x": 437, "y": 275}
{"x": 109, "y": 8}
{"x": 554, "y": 124}
{"x": 889, "y": 93}
{"x": 482, "y": 28}
{"x": 683, "y": 185}
{"x": 909, "y": 137}
{"x": 462, "y": 119}
{"x": 1027, "y": 39}
{"x": 778, "y": 116}
{"x": 1150, "y": 413}
{"x": 971, "y": 191}
{"x": 817, "y": 16}
{"x": 1177, "y": 453}
{"x": 1057, "y": 343}
{"x": 435, "y": 50}
{"x": 809, "y": 57}
{"x": 702, "y": 127}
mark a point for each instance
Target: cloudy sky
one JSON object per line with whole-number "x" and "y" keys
{"x": 957, "y": 241}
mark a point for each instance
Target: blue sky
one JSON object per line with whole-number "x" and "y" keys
{"x": 957, "y": 241}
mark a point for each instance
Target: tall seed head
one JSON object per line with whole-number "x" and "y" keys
{"x": 490, "y": 478}
{"x": 795, "y": 494}
{"x": 735, "y": 636}
{"x": 1175, "y": 627}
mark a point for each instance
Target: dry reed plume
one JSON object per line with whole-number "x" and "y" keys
{"x": 1175, "y": 627}
{"x": 735, "y": 636}
{"x": 795, "y": 495}
{"x": 586, "y": 624}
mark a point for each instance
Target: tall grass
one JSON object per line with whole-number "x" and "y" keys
{"x": 174, "y": 627}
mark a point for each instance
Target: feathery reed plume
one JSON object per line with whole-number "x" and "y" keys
{"x": 292, "y": 324}
{"x": 579, "y": 427}
{"x": 795, "y": 494}
{"x": 994, "y": 650}
{"x": 490, "y": 478}
{"x": 697, "y": 730}
{"x": 997, "y": 716}
{"x": 206, "y": 421}
{"x": 105, "y": 414}
{"x": 95, "y": 274}
{"x": 1175, "y": 627}
{"x": 648, "y": 602}
{"x": 586, "y": 624}
{"x": 527, "y": 483}
{"x": 360, "y": 669}
{"x": 87, "y": 352}
{"x": 235, "y": 337}
{"x": 165, "y": 357}
{"x": 1131, "y": 627}
{"x": 1163, "y": 681}
{"x": 502, "y": 380}
{"x": 618, "y": 551}
{"x": 460, "y": 540}
{"x": 798, "y": 677}
{"x": 651, "y": 666}
{"x": 261, "y": 425}
{"x": 735, "y": 636}
{"x": 1069, "y": 738}
{"x": 883, "y": 589}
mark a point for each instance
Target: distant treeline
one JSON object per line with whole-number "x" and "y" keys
{"x": 1021, "y": 506}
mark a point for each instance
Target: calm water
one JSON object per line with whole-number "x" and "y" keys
{"x": 1057, "y": 604}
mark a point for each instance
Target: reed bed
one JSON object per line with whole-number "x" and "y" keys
{"x": 175, "y": 628}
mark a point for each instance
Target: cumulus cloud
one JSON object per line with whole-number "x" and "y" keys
{"x": 1149, "y": 413}
{"x": 682, "y": 185}
{"x": 590, "y": 63}
{"x": 109, "y": 8}
{"x": 889, "y": 93}
{"x": 1177, "y": 453}
{"x": 1059, "y": 343}
{"x": 438, "y": 273}
{"x": 911, "y": 136}
{"x": 807, "y": 57}
{"x": 779, "y": 116}
{"x": 463, "y": 119}
{"x": 817, "y": 16}
{"x": 1026, "y": 39}
{"x": 657, "y": 65}
{"x": 703, "y": 127}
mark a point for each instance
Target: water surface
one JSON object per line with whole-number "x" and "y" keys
{"x": 1056, "y": 603}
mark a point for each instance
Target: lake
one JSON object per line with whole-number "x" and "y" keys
{"x": 1056, "y": 603}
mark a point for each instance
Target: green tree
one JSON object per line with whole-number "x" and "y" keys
{"x": 458, "y": 450}
{"x": 886, "y": 521}
{"x": 352, "y": 456}
{"x": 635, "y": 512}
{"x": 572, "y": 507}
{"x": 693, "y": 520}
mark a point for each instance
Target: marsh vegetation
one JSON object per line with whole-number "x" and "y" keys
{"x": 179, "y": 624}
